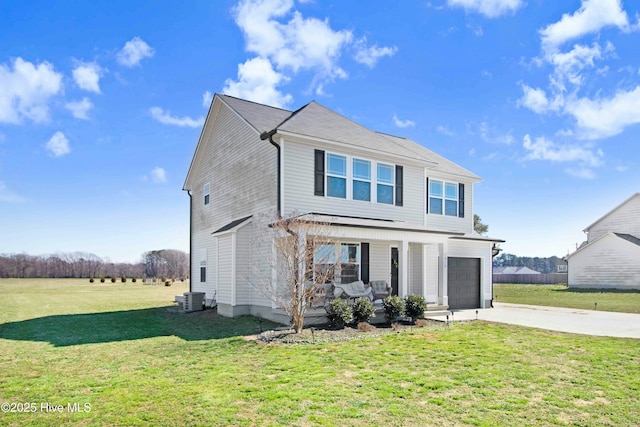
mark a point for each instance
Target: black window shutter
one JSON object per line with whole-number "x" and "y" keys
{"x": 364, "y": 261}
{"x": 461, "y": 200}
{"x": 319, "y": 173}
{"x": 398, "y": 185}
{"x": 427, "y": 205}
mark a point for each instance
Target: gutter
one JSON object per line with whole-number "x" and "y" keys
{"x": 269, "y": 136}
{"x": 190, "y": 239}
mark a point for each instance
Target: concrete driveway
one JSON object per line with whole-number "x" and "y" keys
{"x": 587, "y": 322}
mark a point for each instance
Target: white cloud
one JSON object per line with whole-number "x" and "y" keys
{"x": 8, "y": 196}
{"x": 600, "y": 118}
{"x": 25, "y": 91}
{"x": 444, "y": 130}
{"x": 369, "y": 55}
{"x": 291, "y": 43}
{"x": 207, "y": 97}
{"x": 488, "y": 8}
{"x": 58, "y": 145}
{"x": 134, "y": 51}
{"x": 584, "y": 158}
{"x": 257, "y": 81}
{"x": 402, "y": 123}
{"x": 87, "y": 76}
{"x": 80, "y": 109}
{"x": 166, "y": 118}
{"x": 493, "y": 137}
{"x": 592, "y": 16}
{"x": 158, "y": 175}
{"x": 534, "y": 99}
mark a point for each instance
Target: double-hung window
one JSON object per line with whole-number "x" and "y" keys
{"x": 443, "y": 198}
{"x": 207, "y": 192}
{"x": 385, "y": 180}
{"x": 336, "y": 176}
{"x": 361, "y": 180}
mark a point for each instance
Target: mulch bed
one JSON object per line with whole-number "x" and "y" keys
{"x": 325, "y": 333}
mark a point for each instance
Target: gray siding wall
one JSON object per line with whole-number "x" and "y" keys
{"x": 380, "y": 261}
{"x": 626, "y": 220}
{"x": 431, "y": 273}
{"x": 298, "y": 168}
{"x": 611, "y": 262}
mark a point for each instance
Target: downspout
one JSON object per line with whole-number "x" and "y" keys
{"x": 495, "y": 250}
{"x": 269, "y": 136}
{"x": 190, "y": 239}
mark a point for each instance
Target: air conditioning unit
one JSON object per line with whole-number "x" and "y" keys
{"x": 193, "y": 301}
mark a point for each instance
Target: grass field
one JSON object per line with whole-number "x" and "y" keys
{"x": 119, "y": 350}
{"x": 561, "y": 296}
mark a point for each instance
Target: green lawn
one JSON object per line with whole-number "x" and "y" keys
{"x": 117, "y": 348}
{"x": 561, "y": 296}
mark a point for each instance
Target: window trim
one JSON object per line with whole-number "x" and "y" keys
{"x": 329, "y": 174}
{"x": 444, "y": 198}
{"x": 355, "y": 179}
{"x": 206, "y": 190}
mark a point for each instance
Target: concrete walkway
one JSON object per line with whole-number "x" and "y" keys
{"x": 575, "y": 321}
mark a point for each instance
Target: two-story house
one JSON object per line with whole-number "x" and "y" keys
{"x": 610, "y": 258}
{"x": 398, "y": 211}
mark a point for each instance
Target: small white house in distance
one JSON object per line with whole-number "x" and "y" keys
{"x": 610, "y": 258}
{"x": 396, "y": 211}
{"x": 514, "y": 270}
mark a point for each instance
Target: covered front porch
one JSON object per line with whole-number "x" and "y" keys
{"x": 411, "y": 259}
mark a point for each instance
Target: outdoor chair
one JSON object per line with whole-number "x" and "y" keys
{"x": 380, "y": 289}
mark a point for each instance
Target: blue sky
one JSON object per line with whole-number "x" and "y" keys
{"x": 102, "y": 103}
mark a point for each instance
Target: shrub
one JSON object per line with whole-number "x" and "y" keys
{"x": 113, "y": 279}
{"x": 124, "y": 279}
{"x": 338, "y": 312}
{"x": 363, "y": 310}
{"x": 102, "y": 279}
{"x": 393, "y": 308}
{"x": 133, "y": 279}
{"x": 91, "y": 280}
{"x": 415, "y": 306}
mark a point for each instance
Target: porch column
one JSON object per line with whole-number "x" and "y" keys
{"x": 403, "y": 268}
{"x": 443, "y": 265}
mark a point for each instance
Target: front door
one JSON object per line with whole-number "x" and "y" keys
{"x": 394, "y": 271}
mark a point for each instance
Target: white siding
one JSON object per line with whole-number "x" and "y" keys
{"x": 625, "y": 219}
{"x": 298, "y": 172}
{"x": 415, "y": 269}
{"x": 431, "y": 273}
{"x": 610, "y": 262}
{"x": 380, "y": 261}
{"x": 244, "y": 291}
{"x": 225, "y": 269}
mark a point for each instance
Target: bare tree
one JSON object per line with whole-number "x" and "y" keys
{"x": 294, "y": 247}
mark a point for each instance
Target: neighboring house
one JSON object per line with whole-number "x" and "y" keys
{"x": 514, "y": 270}
{"x": 397, "y": 211}
{"x": 610, "y": 258}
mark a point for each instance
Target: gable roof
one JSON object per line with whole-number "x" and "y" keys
{"x": 233, "y": 224}
{"x": 316, "y": 121}
{"x": 612, "y": 211}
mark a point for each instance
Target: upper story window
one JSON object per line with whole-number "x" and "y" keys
{"x": 446, "y": 198}
{"x": 353, "y": 178}
{"x": 385, "y": 183}
{"x": 207, "y": 192}
{"x": 336, "y": 176}
{"x": 361, "y": 180}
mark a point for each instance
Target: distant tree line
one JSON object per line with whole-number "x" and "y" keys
{"x": 543, "y": 265}
{"x": 168, "y": 263}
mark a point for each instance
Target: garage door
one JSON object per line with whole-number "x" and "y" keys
{"x": 464, "y": 283}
